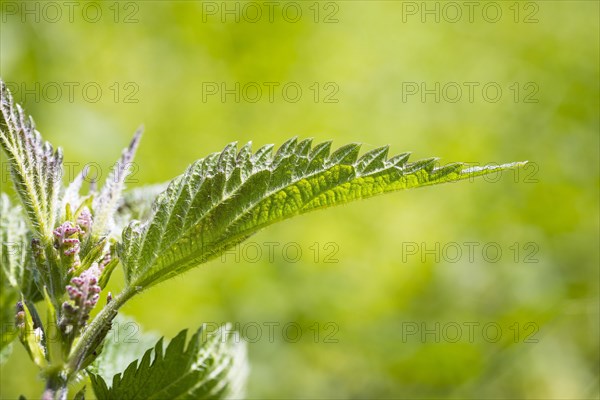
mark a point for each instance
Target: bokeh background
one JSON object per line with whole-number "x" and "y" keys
{"x": 400, "y": 313}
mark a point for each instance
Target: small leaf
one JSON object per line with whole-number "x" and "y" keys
{"x": 105, "y": 204}
{"x": 213, "y": 366}
{"x": 211, "y": 208}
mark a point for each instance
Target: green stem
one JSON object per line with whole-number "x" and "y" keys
{"x": 92, "y": 335}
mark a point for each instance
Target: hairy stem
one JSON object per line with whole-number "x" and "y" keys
{"x": 98, "y": 328}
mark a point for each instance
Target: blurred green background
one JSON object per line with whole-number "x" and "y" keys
{"x": 397, "y": 316}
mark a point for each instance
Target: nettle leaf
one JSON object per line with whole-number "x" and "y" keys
{"x": 226, "y": 197}
{"x": 35, "y": 166}
{"x": 105, "y": 204}
{"x": 213, "y": 366}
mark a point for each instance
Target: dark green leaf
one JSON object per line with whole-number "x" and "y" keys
{"x": 213, "y": 366}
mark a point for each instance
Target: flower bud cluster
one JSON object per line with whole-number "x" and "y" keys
{"x": 66, "y": 240}
{"x": 83, "y": 295}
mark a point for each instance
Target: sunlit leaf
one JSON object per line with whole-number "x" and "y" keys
{"x": 226, "y": 197}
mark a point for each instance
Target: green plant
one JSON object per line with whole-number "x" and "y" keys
{"x": 60, "y": 247}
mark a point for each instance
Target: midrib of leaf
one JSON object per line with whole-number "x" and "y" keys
{"x": 198, "y": 230}
{"x": 260, "y": 157}
{"x": 290, "y": 207}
